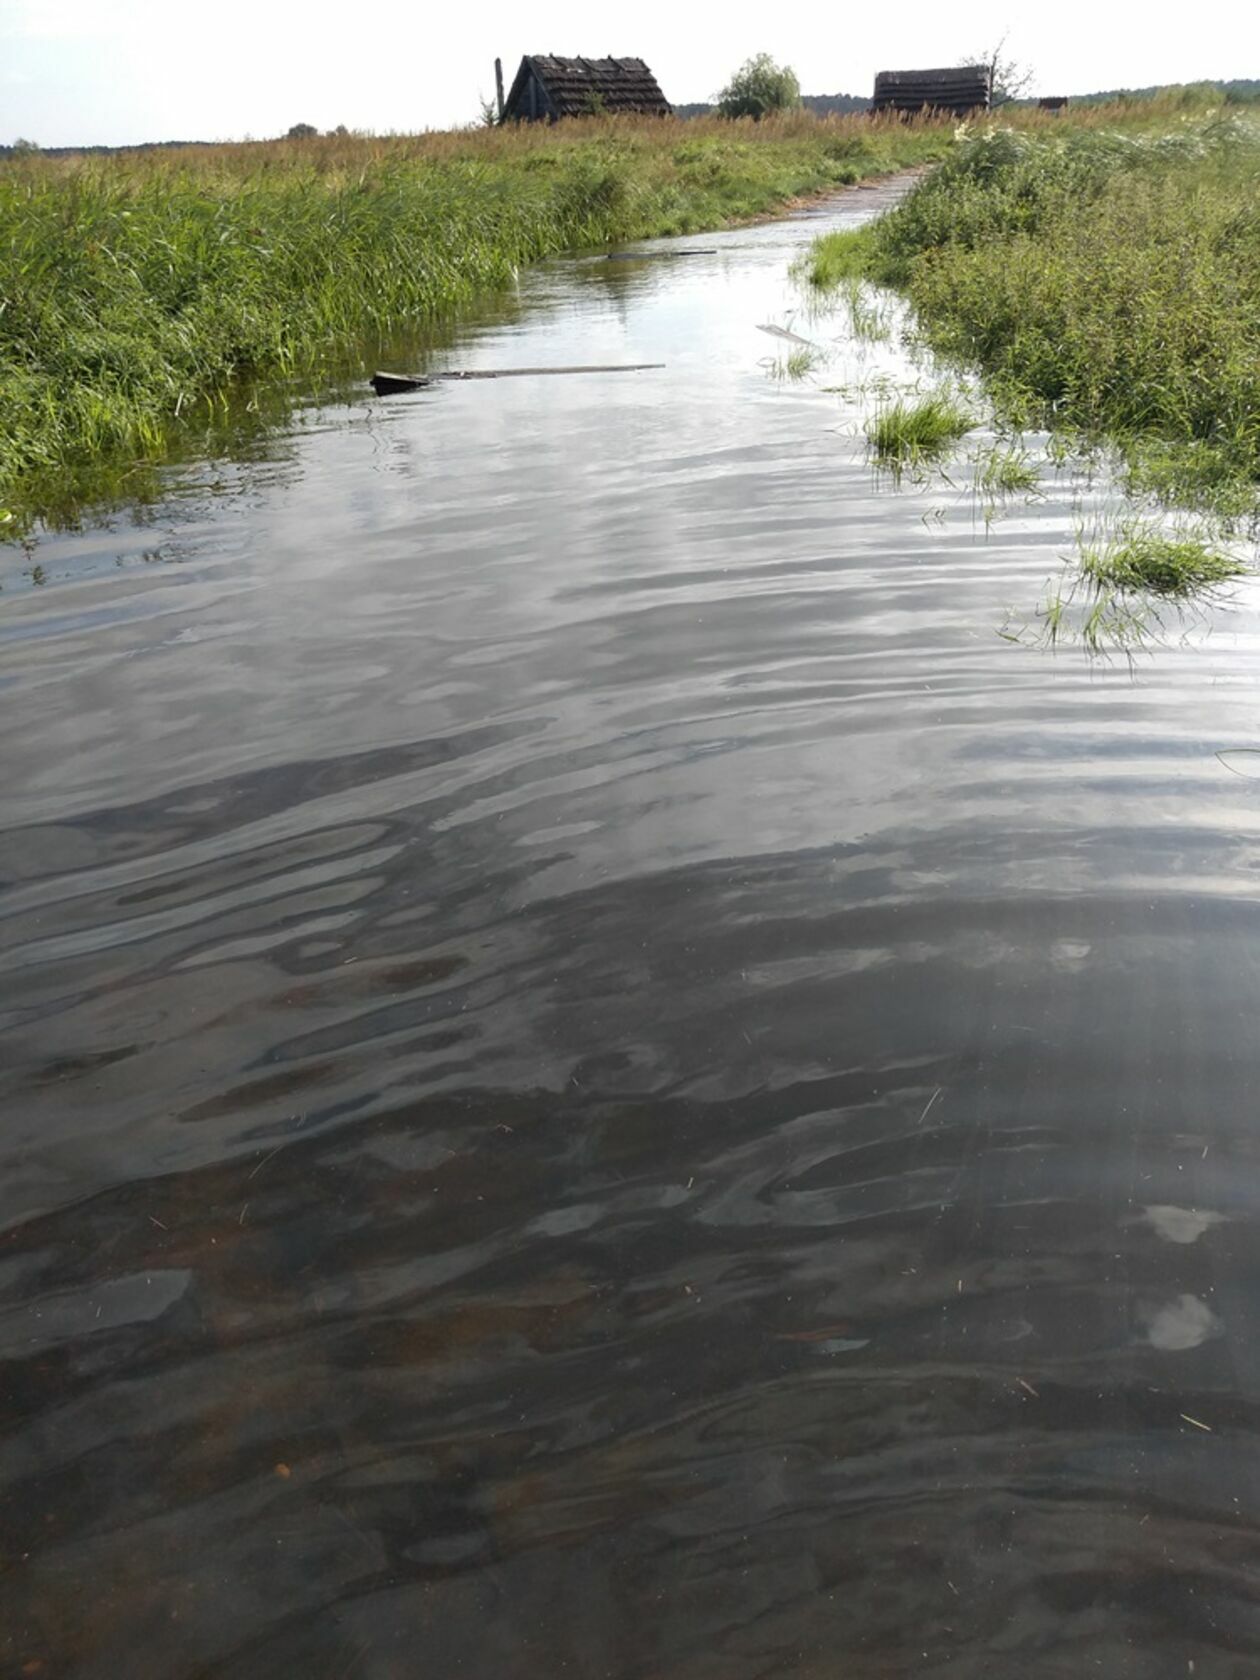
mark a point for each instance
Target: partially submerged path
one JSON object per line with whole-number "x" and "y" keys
{"x": 582, "y": 1035}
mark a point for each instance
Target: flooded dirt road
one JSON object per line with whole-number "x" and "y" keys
{"x": 599, "y": 1078}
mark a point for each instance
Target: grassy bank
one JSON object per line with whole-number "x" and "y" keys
{"x": 139, "y": 290}
{"x": 1103, "y": 281}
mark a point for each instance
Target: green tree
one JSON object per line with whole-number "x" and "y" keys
{"x": 302, "y": 131}
{"x": 759, "y": 86}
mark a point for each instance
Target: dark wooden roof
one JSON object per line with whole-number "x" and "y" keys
{"x": 960, "y": 89}
{"x": 576, "y": 86}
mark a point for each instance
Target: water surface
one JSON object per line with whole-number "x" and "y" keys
{"x": 599, "y": 1078}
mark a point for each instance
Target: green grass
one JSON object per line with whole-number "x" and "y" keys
{"x": 835, "y": 258}
{"x": 142, "y": 294}
{"x": 1119, "y": 589}
{"x": 801, "y": 363}
{"x": 1144, "y": 560}
{"x": 1005, "y": 470}
{"x": 1102, "y": 621}
{"x": 906, "y": 431}
{"x": 867, "y": 310}
{"x": 1105, "y": 282}
{"x": 1193, "y": 474}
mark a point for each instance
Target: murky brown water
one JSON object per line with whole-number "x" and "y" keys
{"x": 599, "y": 1078}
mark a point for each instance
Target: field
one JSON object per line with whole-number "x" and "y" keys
{"x": 142, "y": 292}
{"x": 1106, "y": 283}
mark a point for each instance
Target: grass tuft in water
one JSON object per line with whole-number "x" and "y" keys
{"x": 1129, "y": 587}
{"x": 1005, "y": 470}
{"x": 1102, "y": 621}
{"x": 1148, "y": 561}
{"x": 801, "y": 363}
{"x": 868, "y": 314}
{"x": 904, "y": 431}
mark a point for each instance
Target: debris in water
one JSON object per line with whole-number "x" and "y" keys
{"x": 390, "y": 384}
{"x": 265, "y": 1159}
{"x": 828, "y": 1333}
{"x": 930, "y": 1101}
{"x": 1205, "y": 1427}
{"x": 1243, "y": 761}
{"x": 1027, "y": 1385}
{"x": 795, "y": 338}
{"x": 654, "y": 256}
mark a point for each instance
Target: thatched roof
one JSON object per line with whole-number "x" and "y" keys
{"x": 962, "y": 88}
{"x": 574, "y": 87}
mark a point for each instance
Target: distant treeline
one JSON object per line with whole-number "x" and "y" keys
{"x": 1239, "y": 91}
{"x": 821, "y": 104}
{"x": 23, "y": 149}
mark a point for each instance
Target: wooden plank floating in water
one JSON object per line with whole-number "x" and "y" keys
{"x": 389, "y": 384}
{"x": 659, "y": 256}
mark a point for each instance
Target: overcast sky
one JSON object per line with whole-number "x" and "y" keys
{"x": 77, "y": 72}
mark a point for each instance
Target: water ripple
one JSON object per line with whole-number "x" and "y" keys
{"x": 599, "y": 1076}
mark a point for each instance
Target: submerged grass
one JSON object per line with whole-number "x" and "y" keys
{"x": 138, "y": 292}
{"x": 867, "y": 310}
{"x": 1104, "y": 281}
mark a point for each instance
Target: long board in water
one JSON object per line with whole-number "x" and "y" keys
{"x": 660, "y": 256}
{"x": 386, "y": 384}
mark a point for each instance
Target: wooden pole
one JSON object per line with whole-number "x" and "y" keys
{"x": 498, "y": 82}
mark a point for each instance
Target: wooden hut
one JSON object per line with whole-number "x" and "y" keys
{"x": 957, "y": 92}
{"x": 1053, "y": 102}
{"x": 548, "y": 88}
